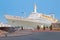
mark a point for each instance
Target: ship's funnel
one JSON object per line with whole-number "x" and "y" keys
{"x": 35, "y": 8}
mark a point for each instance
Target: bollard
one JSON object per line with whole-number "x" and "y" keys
{"x": 43, "y": 28}
{"x": 21, "y": 27}
{"x": 51, "y": 27}
{"x": 38, "y": 27}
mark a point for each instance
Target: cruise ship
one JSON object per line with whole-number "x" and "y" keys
{"x": 35, "y": 19}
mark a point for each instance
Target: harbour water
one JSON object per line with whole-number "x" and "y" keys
{"x": 35, "y": 36}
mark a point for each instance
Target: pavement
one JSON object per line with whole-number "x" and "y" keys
{"x": 16, "y": 33}
{"x": 35, "y": 36}
{"x": 23, "y": 32}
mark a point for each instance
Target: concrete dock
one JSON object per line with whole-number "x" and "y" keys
{"x": 23, "y": 32}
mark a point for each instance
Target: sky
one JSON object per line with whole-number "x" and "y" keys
{"x": 25, "y": 7}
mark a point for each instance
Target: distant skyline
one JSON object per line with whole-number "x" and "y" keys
{"x": 19, "y": 7}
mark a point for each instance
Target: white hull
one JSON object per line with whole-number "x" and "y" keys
{"x": 27, "y": 24}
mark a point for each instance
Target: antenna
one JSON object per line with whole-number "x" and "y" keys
{"x": 52, "y": 15}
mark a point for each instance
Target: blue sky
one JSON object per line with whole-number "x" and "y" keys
{"x": 16, "y": 7}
